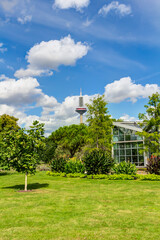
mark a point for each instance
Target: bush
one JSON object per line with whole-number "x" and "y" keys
{"x": 74, "y": 166}
{"x": 58, "y": 164}
{"x": 153, "y": 165}
{"x": 98, "y": 161}
{"x": 149, "y": 177}
{"x": 125, "y": 168}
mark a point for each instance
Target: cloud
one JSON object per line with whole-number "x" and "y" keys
{"x": 50, "y": 55}
{"x": 120, "y": 9}
{"x": 31, "y": 72}
{"x": 18, "y": 92}
{"x": 65, "y": 4}
{"x": 18, "y": 96}
{"x": 126, "y": 89}
{"x": 24, "y": 19}
{"x": 126, "y": 117}
{"x": 87, "y": 23}
{"x": 2, "y": 49}
{"x": 8, "y": 5}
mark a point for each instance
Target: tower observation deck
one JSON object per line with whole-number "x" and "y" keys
{"x": 81, "y": 109}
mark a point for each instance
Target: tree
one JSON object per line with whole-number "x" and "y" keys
{"x": 21, "y": 148}
{"x": 8, "y": 123}
{"x": 70, "y": 139}
{"x": 151, "y": 125}
{"x": 100, "y": 124}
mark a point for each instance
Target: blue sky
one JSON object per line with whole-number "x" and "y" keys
{"x": 51, "y": 49}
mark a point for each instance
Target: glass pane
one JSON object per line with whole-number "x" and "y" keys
{"x": 116, "y": 153}
{"x": 115, "y": 146}
{"x": 128, "y": 145}
{"x": 121, "y": 131}
{"x": 128, "y": 151}
{"x": 115, "y": 131}
{"x": 133, "y": 137}
{"x": 121, "y": 138}
{"x": 121, "y": 145}
{"x": 116, "y": 159}
{"x": 128, "y": 137}
{"x": 115, "y": 139}
{"x": 141, "y": 160}
{"x": 139, "y": 138}
{"x": 135, "y": 160}
{"x": 128, "y": 132}
{"x": 122, "y": 152}
{"x": 128, "y": 159}
{"x": 122, "y": 159}
{"x": 134, "y": 145}
{"x": 140, "y": 145}
{"x": 134, "y": 152}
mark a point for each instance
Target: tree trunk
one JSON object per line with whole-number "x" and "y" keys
{"x": 25, "y": 188}
{"x": 97, "y": 143}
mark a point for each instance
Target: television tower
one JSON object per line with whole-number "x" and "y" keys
{"x": 81, "y": 109}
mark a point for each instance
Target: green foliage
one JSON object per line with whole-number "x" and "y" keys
{"x": 153, "y": 165}
{"x": 70, "y": 139}
{"x": 151, "y": 125}
{"x": 100, "y": 124}
{"x": 48, "y": 153}
{"x": 74, "y": 166}
{"x": 125, "y": 168}
{"x": 20, "y": 149}
{"x": 98, "y": 161}
{"x": 149, "y": 177}
{"x": 8, "y": 123}
{"x": 112, "y": 177}
{"x": 4, "y": 168}
{"x": 58, "y": 164}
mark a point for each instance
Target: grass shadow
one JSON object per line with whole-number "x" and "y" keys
{"x": 5, "y": 173}
{"x": 31, "y": 186}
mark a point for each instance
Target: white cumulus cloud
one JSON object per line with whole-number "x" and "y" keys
{"x": 47, "y": 56}
{"x": 126, "y": 117}
{"x": 65, "y": 4}
{"x": 117, "y": 7}
{"x": 18, "y": 92}
{"x": 126, "y": 89}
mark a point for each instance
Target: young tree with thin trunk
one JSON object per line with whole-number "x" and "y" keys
{"x": 20, "y": 149}
{"x": 100, "y": 124}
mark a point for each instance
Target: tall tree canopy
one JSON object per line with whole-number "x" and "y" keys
{"x": 70, "y": 138}
{"x": 151, "y": 125}
{"x": 8, "y": 123}
{"x": 100, "y": 124}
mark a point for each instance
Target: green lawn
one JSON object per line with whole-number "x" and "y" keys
{"x": 66, "y": 208}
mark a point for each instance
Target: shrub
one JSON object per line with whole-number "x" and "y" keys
{"x": 74, "y": 166}
{"x": 153, "y": 165}
{"x": 121, "y": 177}
{"x": 125, "y": 168}
{"x": 58, "y": 164}
{"x": 149, "y": 177}
{"x": 98, "y": 161}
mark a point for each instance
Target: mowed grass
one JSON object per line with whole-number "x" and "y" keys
{"x": 66, "y": 208}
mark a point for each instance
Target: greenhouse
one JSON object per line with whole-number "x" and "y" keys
{"x": 127, "y": 144}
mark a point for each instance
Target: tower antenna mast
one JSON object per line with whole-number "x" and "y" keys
{"x": 81, "y": 109}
